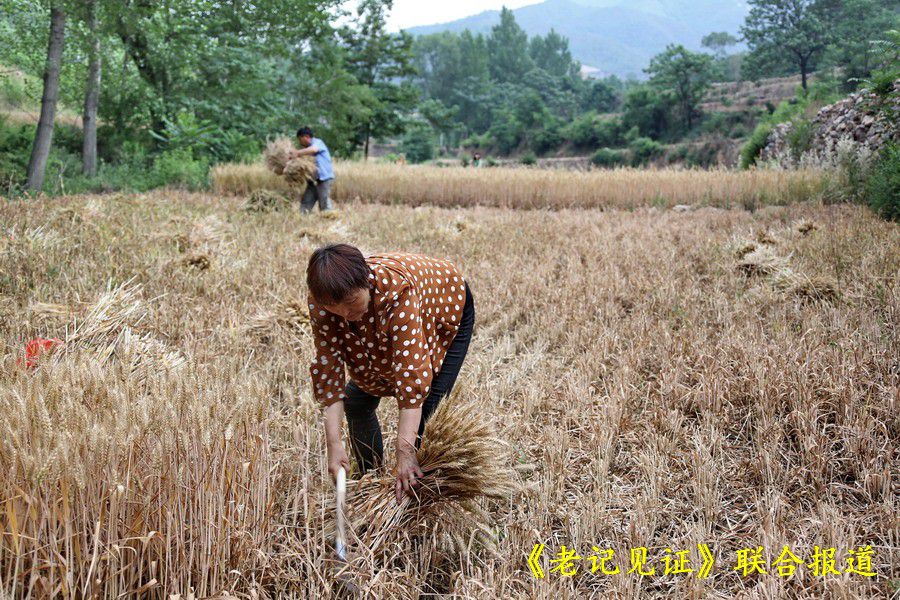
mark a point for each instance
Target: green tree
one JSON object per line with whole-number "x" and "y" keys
{"x": 418, "y": 143}
{"x": 686, "y": 75}
{"x": 325, "y": 95}
{"x": 856, "y": 24}
{"x": 383, "y": 61}
{"x": 719, "y": 42}
{"x": 551, "y": 53}
{"x": 601, "y": 95}
{"x": 800, "y": 29}
{"x": 441, "y": 117}
{"x": 507, "y": 48}
{"x": 647, "y": 110}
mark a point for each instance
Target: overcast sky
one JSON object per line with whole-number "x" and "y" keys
{"x": 409, "y": 13}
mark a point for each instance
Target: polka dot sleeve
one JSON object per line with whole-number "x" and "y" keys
{"x": 409, "y": 349}
{"x": 327, "y": 369}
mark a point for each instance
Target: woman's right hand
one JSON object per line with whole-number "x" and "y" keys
{"x": 337, "y": 458}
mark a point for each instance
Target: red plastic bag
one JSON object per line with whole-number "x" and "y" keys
{"x": 34, "y": 349}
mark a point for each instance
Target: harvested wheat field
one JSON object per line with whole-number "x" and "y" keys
{"x": 673, "y": 381}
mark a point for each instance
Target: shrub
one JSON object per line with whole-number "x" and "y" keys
{"x": 13, "y": 93}
{"x": 546, "y": 140}
{"x": 592, "y": 130}
{"x": 753, "y": 148}
{"x": 15, "y": 149}
{"x": 607, "y": 157}
{"x": 882, "y": 189}
{"x": 799, "y": 137}
{"x": 477, "y": 141}
{"x": 68, "y": 138}
{"x": 643, "y": 150}
{"x": 233, "y": 146}
{"x": 179, "y": 167}
{"x": 418, "y": 144}
{"x": 528, "y": 159}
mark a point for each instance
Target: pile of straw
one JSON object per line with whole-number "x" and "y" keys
{"x": 464, "y": 461}
{"x": 265, "y": 200}
{"x": 758, "y": 260}
{"x": 762, "y": 260}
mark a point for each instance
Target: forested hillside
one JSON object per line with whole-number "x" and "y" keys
{"x": 614, "y": 36}
{"x": 166, "y": 91}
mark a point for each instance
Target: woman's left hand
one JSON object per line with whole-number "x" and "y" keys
{"x": 408, "y": 473}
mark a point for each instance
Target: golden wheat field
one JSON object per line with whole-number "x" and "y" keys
{"x": 453, "y": 187}
{"x": 663, "y": 379}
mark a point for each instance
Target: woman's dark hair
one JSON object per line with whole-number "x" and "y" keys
{"x": 304, "y": 131}
{"x": 336, "y": 271}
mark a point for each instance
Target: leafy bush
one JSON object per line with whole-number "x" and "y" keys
{"x": 179, "y": 167}
{"x": 233, "y": 146}
{"x": 547, "y": 139}
{"x": 528, "y": 159}
{"x": 643, "y": 150}
{"x": 506, "y": 131}
{"x": 800, "y": 136}
{"x": 15, "y": 150}
{"x": 883, "y": 186}
{"x": 68, "y": 138}
{"x": 592, "y": 130}
{"x": 607, "y": 157}
{"x": 418, "y": 144}
{"x": 753, "y": 148}
{"x": 477, "y": 141}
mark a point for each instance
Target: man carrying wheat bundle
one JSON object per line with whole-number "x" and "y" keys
{"x": 321, "y": 188}
{"x": 400, "y": 324}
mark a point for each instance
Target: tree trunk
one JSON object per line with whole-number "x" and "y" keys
{"x": 803, "y": 69}
{"x": 366, "y": 151}
{"x": 91, "y": 95}
{"x": 37, "y": 165}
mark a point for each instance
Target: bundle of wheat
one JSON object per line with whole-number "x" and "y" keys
{"x": 463, "y": 461}
{"x": 277, "y": 154}
{"x": 265, "y": 200}
{"x": 108, "y": 331}
{"x": 290, "y": 316}
{"x": 762, "y": 260}
{"x": 299, "y": 172}
{"x": 810, "y": 289}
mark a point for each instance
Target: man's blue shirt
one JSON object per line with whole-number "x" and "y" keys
{"x": 323, "y": 160}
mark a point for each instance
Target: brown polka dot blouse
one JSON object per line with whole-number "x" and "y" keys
{"x": 397, "y": 347}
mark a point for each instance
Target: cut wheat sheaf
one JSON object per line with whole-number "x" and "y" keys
{"x": 464, "y": 462}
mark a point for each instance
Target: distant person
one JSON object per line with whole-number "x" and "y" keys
{"x": 476, "y": 159}
{"x": 321, "y": 189}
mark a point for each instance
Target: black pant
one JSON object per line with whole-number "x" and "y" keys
{"x": 360, "y": 407}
